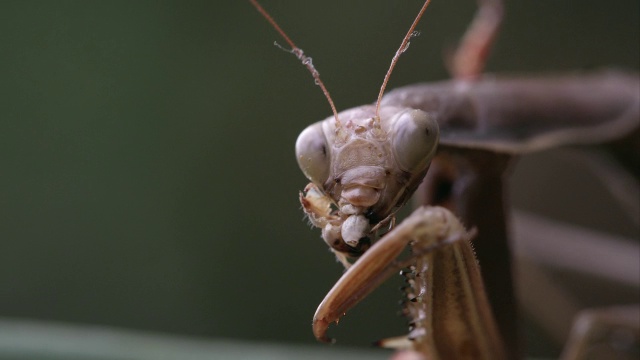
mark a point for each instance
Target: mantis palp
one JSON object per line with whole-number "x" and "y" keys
{"x": 365, "y": 163}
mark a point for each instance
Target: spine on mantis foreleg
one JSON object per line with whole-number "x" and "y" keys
{"x": 447, "y": 305}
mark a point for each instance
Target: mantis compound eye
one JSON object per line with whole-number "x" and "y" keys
{"x": 312, "y": 152}
{"x": 415, "y": 137}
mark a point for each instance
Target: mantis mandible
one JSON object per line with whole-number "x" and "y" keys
{"x": 365, "y": 163}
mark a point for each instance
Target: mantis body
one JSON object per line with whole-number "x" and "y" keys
{"x": 365, "y": 163}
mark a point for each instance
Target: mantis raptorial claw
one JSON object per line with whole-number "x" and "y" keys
{"x": 445, "y": 292}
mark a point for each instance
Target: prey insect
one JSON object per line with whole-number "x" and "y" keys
{"x": 366, "y": 162}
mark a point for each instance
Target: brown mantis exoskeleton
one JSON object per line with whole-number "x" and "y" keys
{"x": 365, "y": 163}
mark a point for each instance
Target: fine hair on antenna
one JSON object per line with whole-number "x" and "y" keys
{"x": 306, "y": 60}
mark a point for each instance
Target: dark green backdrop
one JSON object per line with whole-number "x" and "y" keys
{"x": 146, "y": 149}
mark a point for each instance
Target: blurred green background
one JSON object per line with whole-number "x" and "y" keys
{"x": 146, "y": 150}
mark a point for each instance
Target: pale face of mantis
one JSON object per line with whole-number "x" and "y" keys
{"x": 362, "y": 170}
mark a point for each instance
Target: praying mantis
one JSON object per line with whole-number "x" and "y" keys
{"x": 365, "y": 163}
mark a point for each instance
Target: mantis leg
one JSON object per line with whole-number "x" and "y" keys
{"x": 607, "y": 333}
{"x": 447, "y": 305}
{"x": 471, "y": 55}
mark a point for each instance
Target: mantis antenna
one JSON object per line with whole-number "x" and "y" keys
{"x": 306, "y": 60}
{"x": 403, "y": 47}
